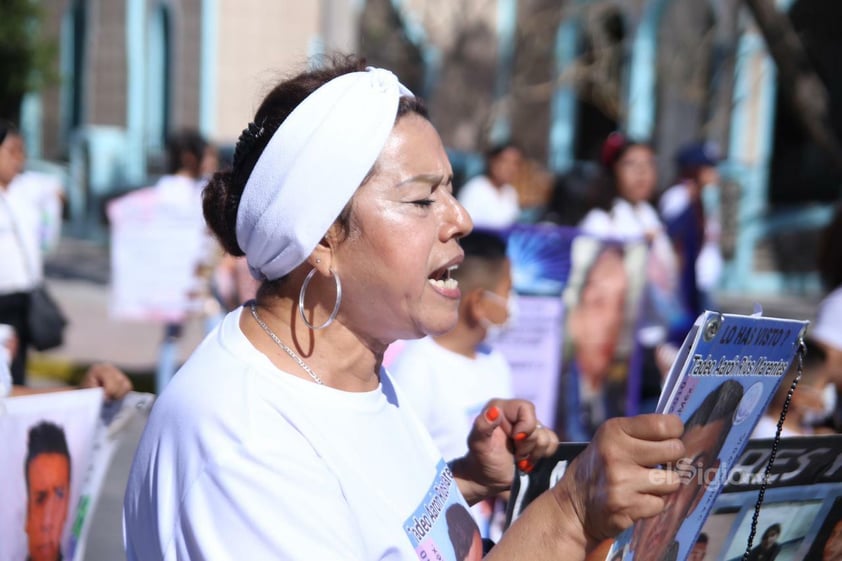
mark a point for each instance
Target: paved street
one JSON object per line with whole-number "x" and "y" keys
{"x": 78, "y": 275}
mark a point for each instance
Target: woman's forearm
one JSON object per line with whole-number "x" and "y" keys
{"x": 548, "y": 529}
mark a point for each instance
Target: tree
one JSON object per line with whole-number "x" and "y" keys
{"x": 799, "y": 81}
{"x": 27, "y": 61}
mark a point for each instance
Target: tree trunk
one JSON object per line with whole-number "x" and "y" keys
{"x": 797, "y": 79}
{"x": 725, "y": 51}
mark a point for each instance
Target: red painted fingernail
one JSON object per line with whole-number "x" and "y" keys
{"x": 529, "y": 467}
{"x": 523, "y": 464}
{"x": 520, "y": 436}
{"x": 492, "y": 413}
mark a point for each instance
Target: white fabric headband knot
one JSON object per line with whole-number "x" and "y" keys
{"x": 311, "y": 168}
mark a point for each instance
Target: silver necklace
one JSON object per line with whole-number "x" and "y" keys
{"x": 281, "y": 344}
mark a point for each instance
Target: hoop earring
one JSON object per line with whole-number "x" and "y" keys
{"x": 303, "y": 291}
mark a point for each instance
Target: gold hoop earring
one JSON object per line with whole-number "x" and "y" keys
{"x": 303, "y": 292}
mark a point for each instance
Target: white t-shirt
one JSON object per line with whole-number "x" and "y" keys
{"x": 828, "y": 327}
{"x": 635, "y": 221}
{"x": 624, "y": 220}
{"x": 449, "y": 390}
{"x": 20, "y": 253}
{"x": 43, "y": 191}
{"x": 489, "y": 206}
{"x": 5, "y": 373}
{"x": 240, "y": 460}
{"x": 767, "y": 427}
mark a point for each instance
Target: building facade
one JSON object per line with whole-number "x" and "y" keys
{"x": 555, "y": 76}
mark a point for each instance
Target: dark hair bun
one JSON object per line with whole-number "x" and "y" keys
{"x": 220, "y": 202}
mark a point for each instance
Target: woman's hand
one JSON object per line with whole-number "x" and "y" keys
{"x": 505, "y": 432}
{"x": 605, "y": 489}
{"x": 614, "y": 481}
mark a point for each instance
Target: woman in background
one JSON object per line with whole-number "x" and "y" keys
{"x": 623, "y": 210}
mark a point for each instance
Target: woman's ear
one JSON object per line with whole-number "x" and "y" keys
{"x": 322, "y": 257}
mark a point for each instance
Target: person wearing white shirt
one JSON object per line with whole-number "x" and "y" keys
{"x": 826, "y": 332}
{"x": 490, "y": 199}
{"x": 282, "y": 437}
{"x": 20, "y": 250}
{"x": 623, "y": 211}
{"x": 8, "y": 342}
{"x": 45, "y": 194}
{"x": 179, "y": 195}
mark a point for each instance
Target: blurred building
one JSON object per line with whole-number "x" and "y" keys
{"x": 133, "y": 71}
{"x": 555, "y": 76}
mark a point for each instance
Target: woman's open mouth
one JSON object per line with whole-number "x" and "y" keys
{"x": 443, "y": 282}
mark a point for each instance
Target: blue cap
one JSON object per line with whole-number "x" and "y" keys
{"x": 697, "y": 154}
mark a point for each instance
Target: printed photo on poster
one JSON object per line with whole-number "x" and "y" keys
{"x": 602, "y": 303}
{"x": 827, "y": 545}
{"x": 47, "y": 443}
{"x": 714, "y": 534}
{"x": 781, "y": 529}
{"x": 801, "y": 517}
{"x": 733, "y": 365}
{"x": 442, "y": 526}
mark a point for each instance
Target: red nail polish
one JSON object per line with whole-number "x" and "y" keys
{"x": 492, "y": 413}
{"x": 525, "y": 465}
{"x": 520, "y": 436}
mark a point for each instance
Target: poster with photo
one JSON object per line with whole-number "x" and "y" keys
{"x": 827, "y": 542}
{"x": 602, "y": 302}
{"x": 732, "y": 366}
{"x": 147, "y": 229}
{"x": 803, "y": 501}
{"x": 801, "y": 515}
{"x": 572, "y": 345}
{"x": 781, "y": 529}
{"x": 47, "y": 443}
{"x": 57, "y": 449}
{"x": 714, "y": 535}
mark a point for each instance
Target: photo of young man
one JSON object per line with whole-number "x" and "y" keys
{"x": 47, "y": 472}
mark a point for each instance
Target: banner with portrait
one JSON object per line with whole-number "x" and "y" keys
{"x": 801, "y": 515}
{"x": 572, "y": 346}
{"x": 540, "y": 256}
{"x": 800, "y": 518}
{"x": 155, "y": 250}
{"x": 56, "y": 450}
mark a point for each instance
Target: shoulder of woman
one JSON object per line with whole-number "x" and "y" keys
{"x": 648, "y": 215}
{"x": 596, "y": 221}
{"x": 477, "y": 183}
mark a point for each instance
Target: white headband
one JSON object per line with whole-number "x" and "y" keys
{"x": 311, "y": 168}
